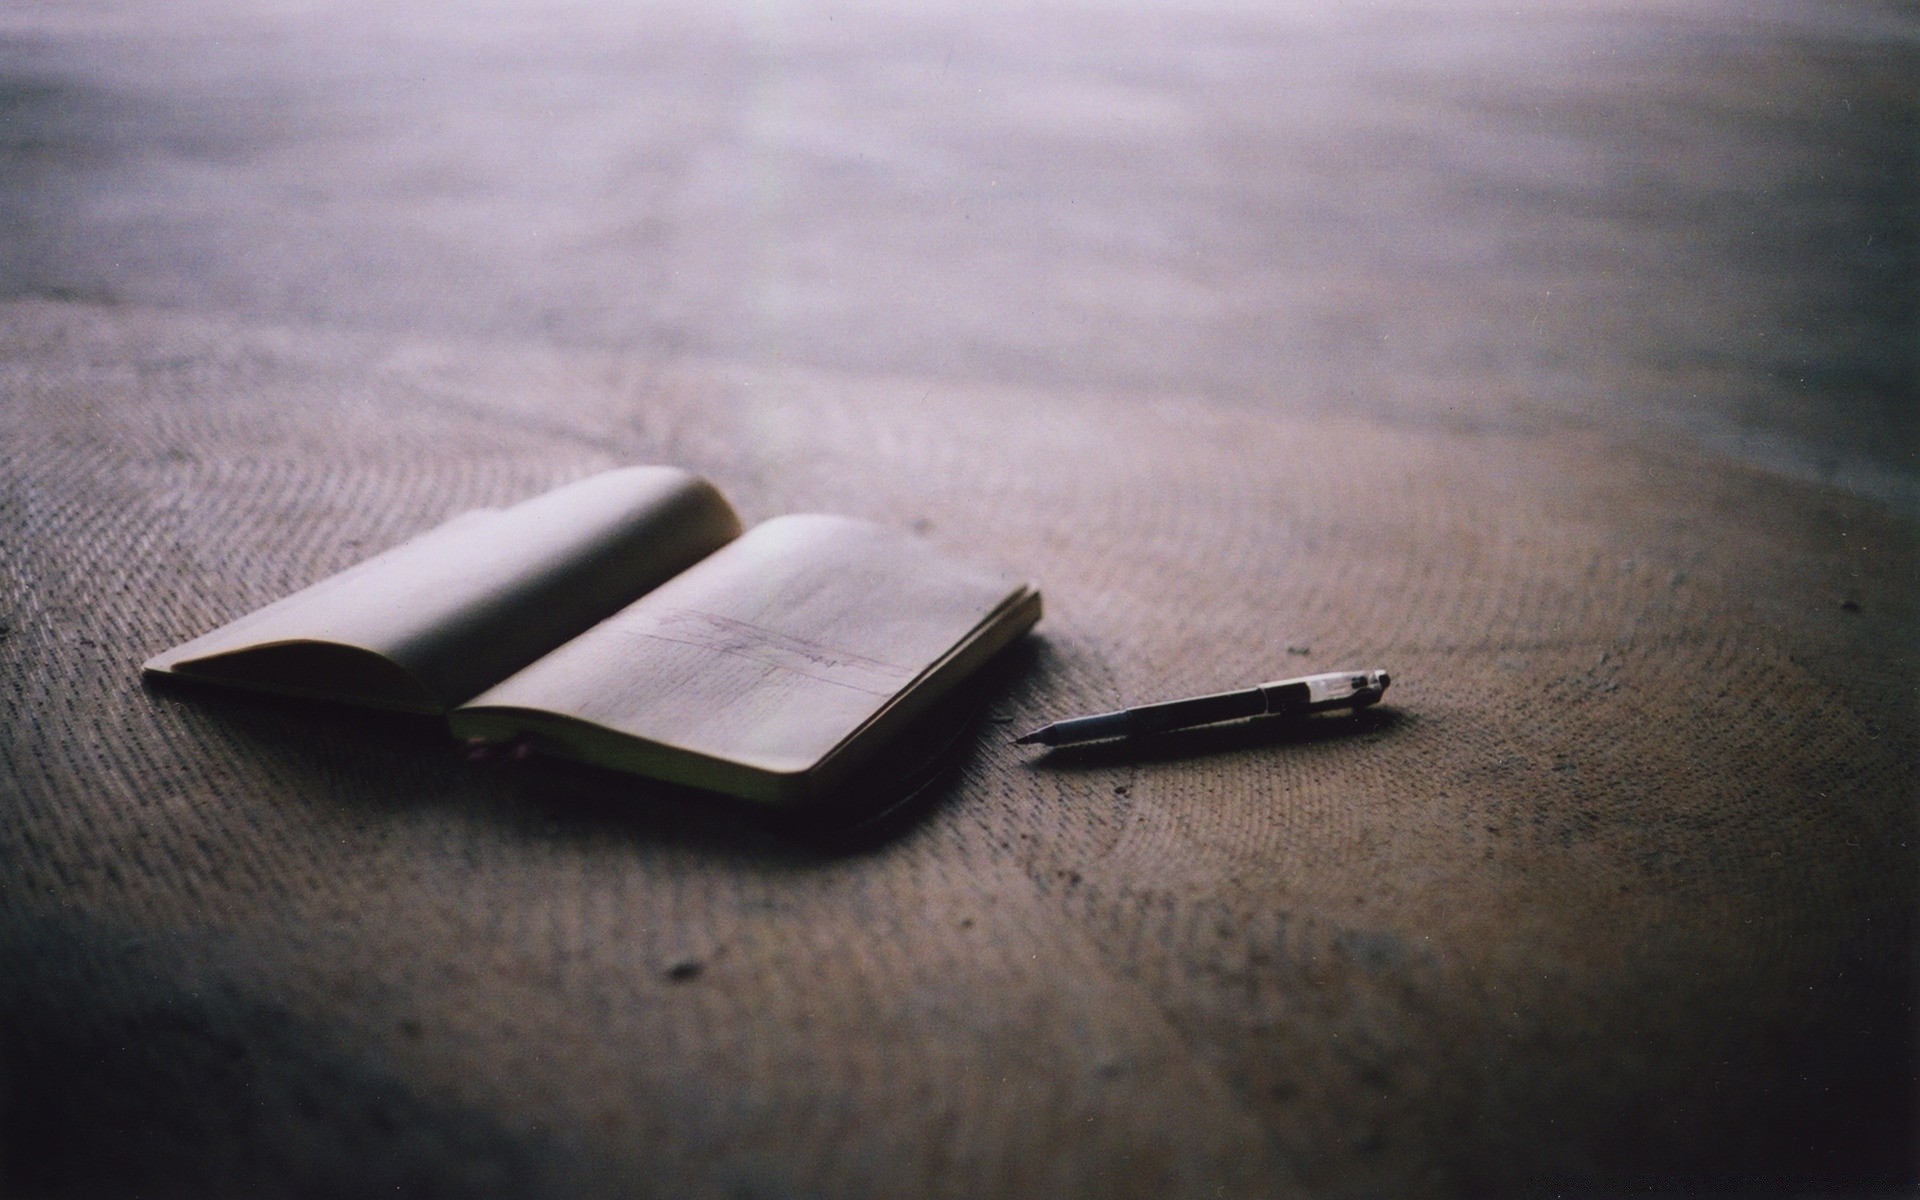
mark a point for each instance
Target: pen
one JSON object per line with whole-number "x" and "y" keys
{"x": 1285, "y": 697}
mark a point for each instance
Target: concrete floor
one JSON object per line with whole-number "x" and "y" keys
{"x": 1695, "y": 216}
{"x": 1562, "y": 361}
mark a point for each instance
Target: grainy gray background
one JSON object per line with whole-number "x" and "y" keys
{"x": 1562, "y": 362}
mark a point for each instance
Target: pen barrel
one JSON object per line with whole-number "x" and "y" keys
{"x": 1286, "y": 697}
{"x": 1200, "y": 710}
{"x": 1283, "y": 699}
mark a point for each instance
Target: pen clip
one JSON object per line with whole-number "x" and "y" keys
{"x": 1333, "y": 689}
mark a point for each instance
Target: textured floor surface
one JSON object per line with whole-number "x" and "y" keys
{"x": 1563, "y": 364}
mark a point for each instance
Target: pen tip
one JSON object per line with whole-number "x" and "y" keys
{"x": 1027, "y": 739}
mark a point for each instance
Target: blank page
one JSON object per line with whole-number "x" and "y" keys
{"x": 466, "y": 604}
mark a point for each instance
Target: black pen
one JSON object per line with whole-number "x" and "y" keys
{"x": 1285, "y": 697}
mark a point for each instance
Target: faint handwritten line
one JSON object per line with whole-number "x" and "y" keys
{"x": 771, "y": 648}
{"x": 817, "y": 651}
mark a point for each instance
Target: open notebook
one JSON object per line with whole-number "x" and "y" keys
{"x": 626, "y": 621}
